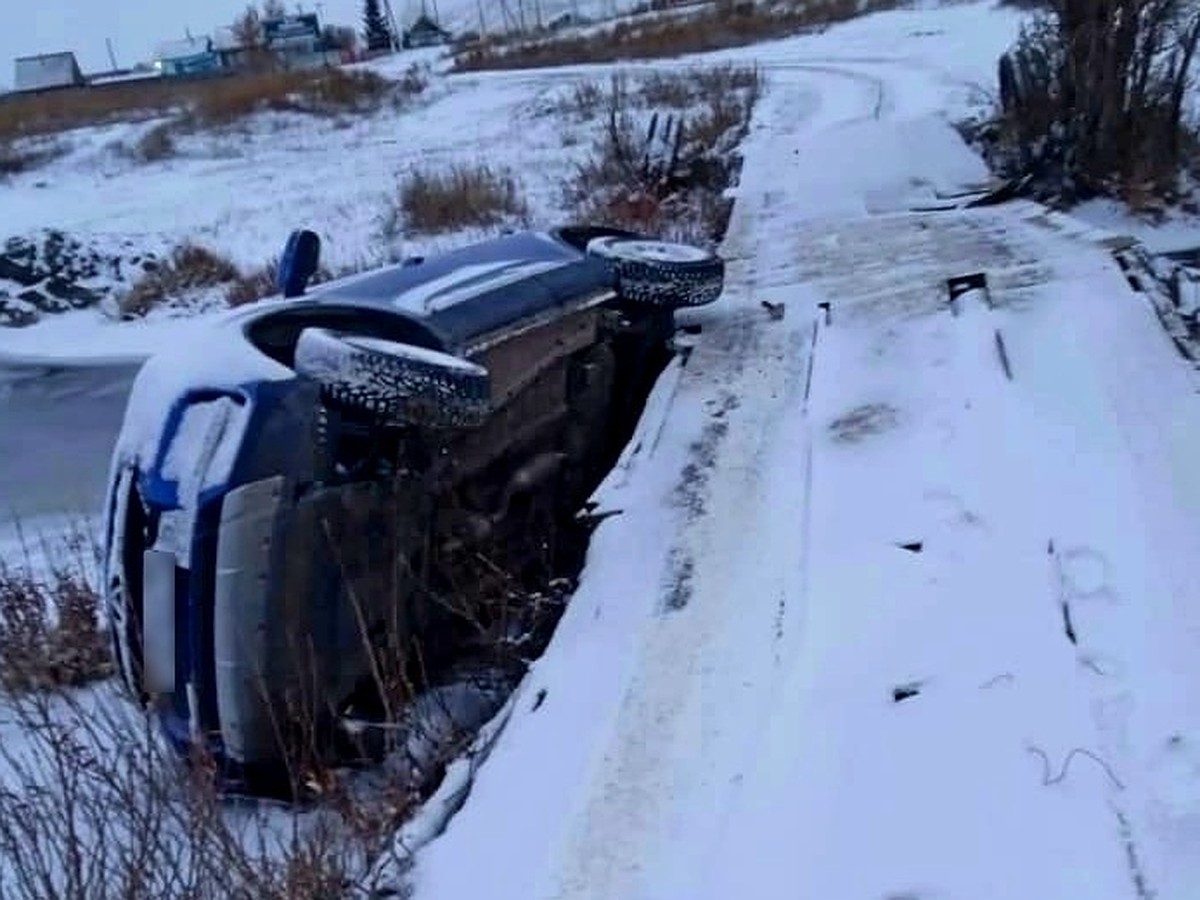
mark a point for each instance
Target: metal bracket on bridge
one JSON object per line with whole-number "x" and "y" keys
{"x": 964, "y": 284}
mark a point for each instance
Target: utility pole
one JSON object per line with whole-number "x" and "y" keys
{"x": 112, "y": 56}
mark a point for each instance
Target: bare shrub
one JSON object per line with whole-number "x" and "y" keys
{"x": 463, "y": 196}
{"x": 15, "y": 159}
{"x": 414, "y": 81}
{"x": 666, "y": 172}
{"x": 250, "y": 287}
{"x": 50, "y": 633}
{"x": 190, "y": 267}
{"x": 666, "y": 89}
{"x": 1092, "y": 99}
{"x": 93, "y": 806}
{"x": 155, "y": 145}
{"x": 583, "y": 102}
{"x": 718, "y": 27}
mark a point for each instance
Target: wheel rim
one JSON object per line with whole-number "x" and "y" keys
{"x": 657, "y": 251}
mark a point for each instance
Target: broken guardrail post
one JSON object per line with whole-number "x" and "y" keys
{"x": 1003, "y": 352}
{"x": 958, "y": 285}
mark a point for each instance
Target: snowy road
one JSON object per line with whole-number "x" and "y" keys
{"x": 57, "y": 427}
{"x": 898, "y": 605}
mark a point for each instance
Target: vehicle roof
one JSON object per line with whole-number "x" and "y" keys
{"x": 467, "y": 293}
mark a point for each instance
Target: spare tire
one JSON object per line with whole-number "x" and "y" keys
{"x": 660, "y": 273}
{"x": 400, "y": 383}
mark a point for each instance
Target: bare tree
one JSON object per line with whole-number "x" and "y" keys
{"x": 1094, "y": 94}
{"x": 247, "y": 29}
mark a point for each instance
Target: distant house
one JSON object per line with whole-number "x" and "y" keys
{"x": 190, "y": 56}
{"x": 567, "y": 19}
{"x": 298, "y": 42}
{"x": 300, "y": 34}
{"x": 47, "y": 72}
{"x": 230, "y": 51}
{"x": 424, "y": 32}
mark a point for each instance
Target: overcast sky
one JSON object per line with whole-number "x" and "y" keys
{"x": 134, "y": 26}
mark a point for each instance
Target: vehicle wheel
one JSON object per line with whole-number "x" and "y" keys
{"x": 400, "y": 383}
{"x": 660, "y": 273}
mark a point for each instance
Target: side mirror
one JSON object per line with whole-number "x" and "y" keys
{"x": 299, "y": 263}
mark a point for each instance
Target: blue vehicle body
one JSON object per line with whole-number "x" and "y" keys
{"x": 230, "y": 415}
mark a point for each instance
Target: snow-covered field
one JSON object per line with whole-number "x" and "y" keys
{"x": 899, "y": 602}
{"x": 241, "y": 191}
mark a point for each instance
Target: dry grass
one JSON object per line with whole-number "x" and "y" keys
{"x": 49, "y": 631}
{"x": 50, "y": 634}
{"x": 252, "y": 286}
{"x": 94, "y": 807}
{"x": 464, "y": 196}
{"x": 322, "y": 92}
{"x": 155, "y": 145}
{"x": 724, "y": 25}
{"x": 661, "y": 170}
{"x": 583, "y": 102}
{"x": 190, "y": 267}
{"x": 16, "y": 159}
{"x": 203, "y": 101}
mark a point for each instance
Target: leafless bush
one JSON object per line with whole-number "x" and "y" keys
{"x": 463, "y": 196}
{"x": 667, "y": 89}
{"x": 190, "y": 267}
{"x": 720, "y": 26}
{"x": 155, "y": 145}
{"x": 583, "y": 102}
{"x": 250, "y": 287}
{"x": 50, "y": 633}
{"x": 414, "y": 81}
{"x": 666, "y": 173}
{"x": 1093, "y": 95}
{"x": 15, "y": 159}
{"x": 94, "y": 806}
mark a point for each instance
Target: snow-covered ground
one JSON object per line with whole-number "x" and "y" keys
{"x": 1171, "y": 233}
{"x": 878, "y": 618}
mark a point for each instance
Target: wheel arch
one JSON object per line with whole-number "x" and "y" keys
{"x": 277, "y": 333}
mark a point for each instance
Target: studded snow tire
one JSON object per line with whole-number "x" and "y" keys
{"x": 400, "y": 383}
{"x": 658, "y": 273}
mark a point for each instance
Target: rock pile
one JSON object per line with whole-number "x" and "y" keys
{"x": 51, "y": 272}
